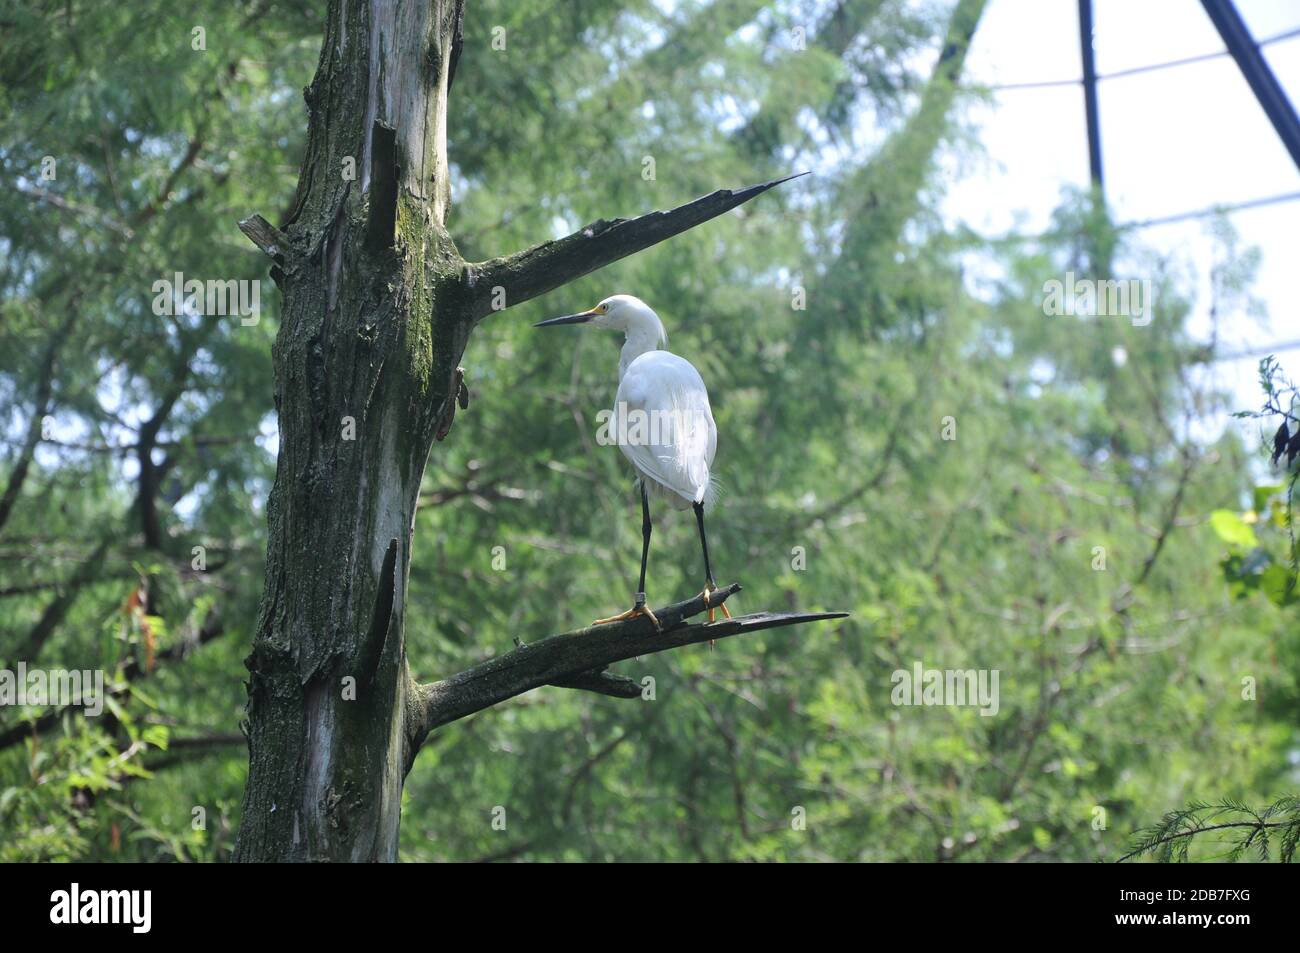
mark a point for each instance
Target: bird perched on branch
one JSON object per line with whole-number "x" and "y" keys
{"x": 661, "y": 421}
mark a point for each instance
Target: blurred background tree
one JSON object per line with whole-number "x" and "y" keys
{"x": 982, "y": 485}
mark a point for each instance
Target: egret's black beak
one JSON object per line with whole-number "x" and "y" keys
{"x": 582, "y": 317}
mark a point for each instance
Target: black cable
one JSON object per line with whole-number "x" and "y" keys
{"x": 1014, "y": 239}
{"x": 1133, "y": 71}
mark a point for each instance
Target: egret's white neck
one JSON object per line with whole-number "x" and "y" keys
{"x": 645, "y": 332}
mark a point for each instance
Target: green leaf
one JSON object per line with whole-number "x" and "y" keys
{"x": 156, "y": 735}
{"x": 1279, "y": 584}
{"x": 118, "y": 712}
{"x": 1232, "y": 529}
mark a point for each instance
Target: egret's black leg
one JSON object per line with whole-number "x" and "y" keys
{"x": 645, "y": 539}
{"x": 639, "y": 608}
{"x": 704, "y": 544}
{"x": 709, "y": 585}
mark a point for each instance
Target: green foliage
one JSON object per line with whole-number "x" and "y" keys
{"x": 1074, "y": 536}
{"x": 1273, "y": 570}
{"x": 1234, "y": 830}
{"x": 51, "y": 813}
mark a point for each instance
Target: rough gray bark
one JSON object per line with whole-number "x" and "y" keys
{"x": 372, "y": 332}
{"x": 378, "y": 306}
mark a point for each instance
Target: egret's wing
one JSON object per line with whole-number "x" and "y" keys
{"x": 664, "y": 425}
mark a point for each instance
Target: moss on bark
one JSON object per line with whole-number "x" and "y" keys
{"x": 371, "y": 335}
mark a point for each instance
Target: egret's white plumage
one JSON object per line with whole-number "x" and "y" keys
{"x": 677, "y": 454}
{"x": 661, "y": 420}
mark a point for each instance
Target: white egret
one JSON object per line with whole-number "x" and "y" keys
{"x": 661, "y": 421}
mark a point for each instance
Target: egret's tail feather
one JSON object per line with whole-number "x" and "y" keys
{"x": 709, "y": 493}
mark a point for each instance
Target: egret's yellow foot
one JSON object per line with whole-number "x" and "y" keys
{"x": 639, "y": 609}
{"x": 709, "y": 589}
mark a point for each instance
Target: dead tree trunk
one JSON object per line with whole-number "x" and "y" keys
{"x": 378, "y": 306}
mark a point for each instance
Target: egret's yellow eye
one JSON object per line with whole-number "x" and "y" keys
{"x": 602, "y": 308}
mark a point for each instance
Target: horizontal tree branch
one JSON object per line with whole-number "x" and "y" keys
{"x": 602, "y": 683}
{"x": 89, "y": 212}
{"x": 266, "y": 237}
{"x": 578, "y": 659}
{"x": 11, "y": 735}
{"x": 547, "y": 266}
{"x": 184, "y": 750}
{"x": 1150, "y": 848}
